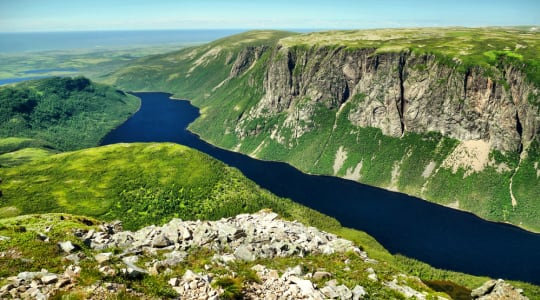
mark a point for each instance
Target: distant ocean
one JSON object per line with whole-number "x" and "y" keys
{"x": 44, "y": 41}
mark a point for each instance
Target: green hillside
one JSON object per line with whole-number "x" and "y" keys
{"x": 138, "y": 183}
{"x": 150, "y": 183}
{"x": 192, "y": 72}
{"x": 64, "y": 113}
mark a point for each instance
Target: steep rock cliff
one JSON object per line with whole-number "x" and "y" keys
{"x": 404, "y": 92}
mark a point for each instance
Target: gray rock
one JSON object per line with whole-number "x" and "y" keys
{"x": 161, "y": 241}
{"x": 486, "y": 288}
{"x": 123, "y": 239}
{"x": 330, "y": 292}
{"x": 497, "y": 290}
{"x": 89, "y": 234}
{"x": 130, "y": 259}
{"x": 43, "y": 237}
{"x": 190, "y": 276}
{"x": 4, "y": 238}
{"x": 184, "y": 233}
{"x": 372, "y": 275}
{"x": 49, "y": 278}
{"x": 170, "y": 230}
{"x": 343, "y": 292}
{"x": 296, "y": 270}
{"x": 74, "y": 257}
{"x": 62, "y": 282}
{"x": 28, "y": 276}
{"x": 103, "y": 257}
{"x": 305, "y": 286}
{"x": 226, "y": 258}
{"x": 174, "y": 281}
{"x": 174, "y": 258}
{"x": 40, "y": 296}
{"x": 67, "y": 246}
{"x": 407, "y": 291}
{"x": 72, "y": 271}
{"x": 227, "y": 229}
{"x": 107, "y": 271}
{"x": 359, "y": 292}
{"x": 244, "y": 253}
{"x": 320, "y": 275}
{"x": 7, "y": 287}
{"x": 270, "y": 216}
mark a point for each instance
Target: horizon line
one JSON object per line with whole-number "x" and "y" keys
{"x": 305, "y": 29}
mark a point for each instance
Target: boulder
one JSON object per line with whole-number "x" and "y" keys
{"x": 107, "y": 271}
{"x": 359, "y": 292}
{"x": 67, "y": 246}
{"x": 343, "y": 292}
{"x": 62, "y": 282}
{"x": 161, "y": 241}
{"x": 497, "y": 290}
{"x": 329, "y": 292}
{"x": 103, "y": 257}
{"x": 244, "y": 253}
{"x": 49, "y": 278}
{"x": 72, "y": 271}
{"x": 190, "y": 276}
{"x": 306, "y": 286}
{"x": 28, "y": 276}
{"x": 174, "y": 281}
{"x": 321, "y": 275}
{"x": 42, "y": 237}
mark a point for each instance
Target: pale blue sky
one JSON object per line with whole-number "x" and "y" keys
{"x": 68, "y": 15}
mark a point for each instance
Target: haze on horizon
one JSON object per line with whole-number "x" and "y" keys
{"x": 75, "y": 15}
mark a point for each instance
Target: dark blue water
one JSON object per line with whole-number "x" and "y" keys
{"x": 42, "y": 41}
{"x": 440, "y": 236}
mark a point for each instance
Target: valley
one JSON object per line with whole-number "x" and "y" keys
{"x": 399, "y": 109}
{"x": 405, "y": 110}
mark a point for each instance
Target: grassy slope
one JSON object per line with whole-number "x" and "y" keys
{"x": 222, "y": 105}
{"x": 149, "y": 183}
{"x": 15, "y": 151}
{"x": 65, "y": 113}
{"x": 139, "y": 183}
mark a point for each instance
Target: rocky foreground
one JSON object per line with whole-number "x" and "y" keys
{"x": 250, "y": 241}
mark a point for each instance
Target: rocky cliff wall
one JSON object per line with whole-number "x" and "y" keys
{"x": 404, "y": 92}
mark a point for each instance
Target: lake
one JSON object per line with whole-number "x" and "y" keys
{"x": 440, "y": 236}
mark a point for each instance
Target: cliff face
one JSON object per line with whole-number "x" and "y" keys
{"x": 318, "y": 105}
{"x": 403, "y": 92}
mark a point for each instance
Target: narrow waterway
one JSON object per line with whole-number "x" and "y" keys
{"x": 440, "y": 236}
